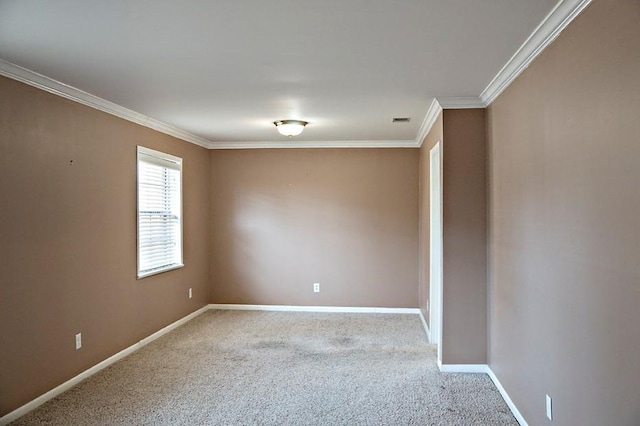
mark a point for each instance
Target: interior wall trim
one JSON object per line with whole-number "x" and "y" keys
{"x": 445, "y": 368}
{"x": 425, "y": 326}
{"x": 553, "y": 24}
{"x": 55, "y": 87}
{"x": 32, "y": 405}
{"x": 463, "y": 368}
{"x": 58, "y": 88}
{"x": 484, "y": 368}
{"x": 292, "y": 308}
{"x": 314, "y": 144}
{"x": 63, "y": 90}
{"x": 462, "y": 103}
{"x": 516, "y": 413}
{"x": 548, "y": 30}
{"x": 429, "y": 120}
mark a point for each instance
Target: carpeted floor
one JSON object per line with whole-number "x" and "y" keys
{"x": 281, "y": 368}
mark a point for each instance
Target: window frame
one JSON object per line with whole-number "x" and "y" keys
{"x": 162, "y": 157}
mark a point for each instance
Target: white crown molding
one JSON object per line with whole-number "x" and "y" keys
{"x": 55, "y": 87}
{"x": 548, "y": 30}
{"x": 429, "y": 120}
{"x": 461, "y": 102}
{"x": 313, "y": 144}
{"x": 32, "y": 405}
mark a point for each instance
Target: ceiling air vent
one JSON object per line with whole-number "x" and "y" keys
{"x": 400, "y": 119}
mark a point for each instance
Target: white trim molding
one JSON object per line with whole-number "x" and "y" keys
{"x": 484, "y": 368}
{"x": 55, "y": 87}
{"x": 461, "y": 103}
{"x": 464, "y": 368}
{"x": 425, "y": 326}
{"x": 507, "y": 398}
{"x": 172, "y": 327}
{"x": 436, "y": 107}
{"x": 313, "y": 144}
{"x": 548, "y": 30}
{"x": 553, "y": 24}
{"x": 290, "y": 308}
{"x": 32, "y": 405}
{"x": 429, "y": 120}
{"x": 445, "y": 368}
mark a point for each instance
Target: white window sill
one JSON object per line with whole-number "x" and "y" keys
{"x": 160, "y": 271}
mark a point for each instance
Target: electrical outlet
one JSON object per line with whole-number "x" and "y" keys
{"x": 78, "y": 341}
{"x": 316, "y": 287}
{"x": 549, "y": 409}
{"x": 190, "y": 293}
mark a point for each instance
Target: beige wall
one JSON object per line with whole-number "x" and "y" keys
{"x": 68, "y": 240}
{"x": 563, "y": 290}
{"x": 464, "y": 229}
{"x": 463, "y": 148}
{"x": 282, "y": 219}
{"x": 565, "y": 225}
{"x": 434, "y": 136}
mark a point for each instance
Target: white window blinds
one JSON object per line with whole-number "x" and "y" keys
{"x": 159, "y": 212}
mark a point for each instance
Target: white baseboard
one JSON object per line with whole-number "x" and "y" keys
{"x": 463, "y": 368}
{"x": 507, "y": 398}
{"x": 484, "y": 368}
{"x": 32, "y": 405}
{"x": 290, "y": 308}
{"x": 171, "y": 327}
{"x": 445, "y": 368}
{"x": 425, "y": 326}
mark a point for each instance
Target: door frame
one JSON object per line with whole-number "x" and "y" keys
{"x": 435, "y": 247}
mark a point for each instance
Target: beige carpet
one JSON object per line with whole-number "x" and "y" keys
{"x": 281, "y": 368}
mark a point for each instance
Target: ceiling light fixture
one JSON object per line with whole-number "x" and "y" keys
{"x": 290, "y": 127}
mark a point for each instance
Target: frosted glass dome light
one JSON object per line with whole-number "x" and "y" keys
{"x": 290, "y": 127}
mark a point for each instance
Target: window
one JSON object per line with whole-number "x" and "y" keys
{"x": 159, "y": 212}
